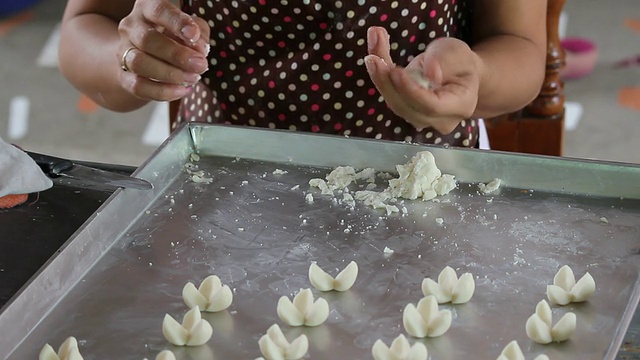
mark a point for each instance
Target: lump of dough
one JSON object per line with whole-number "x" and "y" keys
{"x": 194, "y": 330}
{"x": 210, "y": 296}
{"x": 513, "y": 352}
{"x": 274, "y": 346}
{"x": 449, "y": 288}
{"x": 419, "y": 78}
{"x": 566, "y": 290}
{"x": 67, "y": 351}
{"x": 400, "y": 349}
{"x": 303, "y": 310}
{"x": 426, "y": 320}
{"x": 165, "y": 355}
{"x": 420, "y": 178}
{"x": 490, "y": 187}
{"x": 325, "y": 282}
{"x": 539, "y": 325}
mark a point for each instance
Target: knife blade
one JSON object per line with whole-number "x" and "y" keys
{"x": 55, "y": 167}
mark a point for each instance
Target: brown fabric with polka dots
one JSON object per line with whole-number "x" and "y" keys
{"x": 298, "y": 64}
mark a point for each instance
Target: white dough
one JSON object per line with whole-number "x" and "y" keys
{"x": 490, "y": 187}
{"x": 539, "y": 325}
{"x": 449, "y": 288}
{"x": 274, "y": 346}
{"x": 388, "y": 251}
{"x": 566, "y": 290}
{"x": 400, "y": 349}
{"x": 426, "y": 320}
{"x": 513, "y": 352}
{"x": 67, "y": 351}
{"x": 211, "y": 296}
{"x": 419, "y": 78}
{"x": 165, "y": 355}
{"x": 303, "y": 310}
{"x": 194, "y": 330}
{"x": 280, "y": 172}
{"x": 325, "y": 282}
{"x": 309, "y": 198}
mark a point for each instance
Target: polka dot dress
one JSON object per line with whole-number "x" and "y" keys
{"x": 299, "y": 64}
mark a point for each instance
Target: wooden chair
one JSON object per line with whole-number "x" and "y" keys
{"x": 539, "y": 127}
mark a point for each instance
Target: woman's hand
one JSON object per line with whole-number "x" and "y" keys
{"x": 162, "y": 50}
{"x": 450, "y": 66}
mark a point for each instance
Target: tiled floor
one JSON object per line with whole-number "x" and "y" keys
{"x": 61, "y": 123}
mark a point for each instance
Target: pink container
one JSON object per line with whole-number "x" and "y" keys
{"x": 581, "y": 56}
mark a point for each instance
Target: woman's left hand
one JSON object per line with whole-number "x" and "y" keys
{"x": 450, "y": 66}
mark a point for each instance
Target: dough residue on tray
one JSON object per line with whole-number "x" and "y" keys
{"x": 303, "y": 310}
{"x": 194, "y": 330}
{"x": 540, "y": 328}
{"x": 566, "y": 290}
{"x": 67, "y": 351}
{"x": 210, "y": 296}
{"x": 490, "y": 187}
{"x": 420, "y": 178}
{"x": 325, "y": 282}
{"x": 400, "y": 349}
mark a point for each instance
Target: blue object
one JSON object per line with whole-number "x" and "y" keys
{"x": 9, "y": 7}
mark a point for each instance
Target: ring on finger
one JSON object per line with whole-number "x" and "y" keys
{"x": 123, "y": 63}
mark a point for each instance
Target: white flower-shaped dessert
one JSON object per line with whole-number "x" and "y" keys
{"x": 303, "y": 310}
{"x": 539, "y": 325}
{"x": 193, "y": 331}
{"x": 449, "y": 288}
{"x": 513, "y": 352}
{"x": 274, "y": 346}
{"x": 566, "y": 290}
{"x": 400, "y": 349}
{"x": 426, "y": 320}
{"x": 67, "y": 351}
{"x": 325, "y": 282}
{"x": 211, "y": 296}
{"x": 165, "y": 355}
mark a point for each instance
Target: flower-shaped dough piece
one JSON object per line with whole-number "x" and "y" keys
{"x": 274, "y": 346}
{"x": 67, "y": 351}
{"x": 325, "y": 282}
{"x": 449, "y": 288}
{"x": 426, "y": 320}
{"x": 194, "y": 330}
{"x": 165, "y": 355}
{"x": 400, "y": 349}
{"x": 513, "y": 352}
{"x": 211, "y": 296}
{"x": 566, "y": 290}
{"x": 539, "y": 327}
{"x": 303, "y": 310}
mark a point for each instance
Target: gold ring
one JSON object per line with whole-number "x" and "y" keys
{"x": 123, "y": 64}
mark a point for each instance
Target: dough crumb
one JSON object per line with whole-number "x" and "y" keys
{"x": 439, "y": 221}
{"x": 210, "y": 296}
{"x": 275, "y": 346}
{"x": 194, "y": 330}
{"x": 604, "y": 220}
{"x": 309, "y": 198}
{"x": 325, "y": 282}
{"x": 540, "y": 328}
{"x": 449, "y": 287}
{"x": 303, "y": 310}
{"x": 400, "y": 349}
{"x": 67, "y": 351}
{"x": 388, "y": 251}
{"x": 566, "y": 290}
{"x": 279, "y": 172}
{"x": 194, "y": 157}
{"x": 426, "y": 320}
{"x": 490, "y": 187}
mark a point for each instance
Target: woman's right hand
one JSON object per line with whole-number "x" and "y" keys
{"x": 163, "y": 51}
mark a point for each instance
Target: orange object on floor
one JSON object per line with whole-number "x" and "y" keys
{"x": 629, "y": 97}
{"x": 14, "y": 21}
{"x": 9, "y": 201}
{"x": 86, "y": 105}
{"x": 632, "y": 24}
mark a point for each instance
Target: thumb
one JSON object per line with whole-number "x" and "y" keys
{"x": 432, "y": 69}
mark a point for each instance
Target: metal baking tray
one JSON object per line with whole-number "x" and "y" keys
{"x": 117, "y": 276}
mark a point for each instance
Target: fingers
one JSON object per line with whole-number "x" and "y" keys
{"x": 148, "y": 89}
{"x": 142, "y": 64}
{"x": 378, "y": 44}
{"x": 165, "y": 14}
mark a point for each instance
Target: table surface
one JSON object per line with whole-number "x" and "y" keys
{"x": 36, "y": 230}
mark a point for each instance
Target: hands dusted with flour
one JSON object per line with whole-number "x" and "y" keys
{"x": 163, "y": 51}
{"x": 451, "y": 68}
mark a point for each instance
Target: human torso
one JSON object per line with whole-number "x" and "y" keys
{"x": 298, "y": 64}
